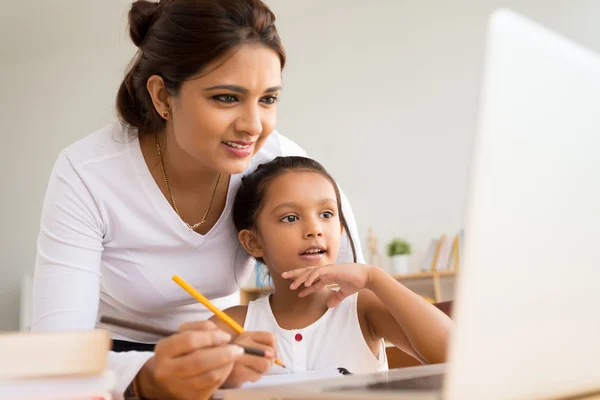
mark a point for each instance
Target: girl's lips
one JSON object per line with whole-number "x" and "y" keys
{"x": 313, "y": 256}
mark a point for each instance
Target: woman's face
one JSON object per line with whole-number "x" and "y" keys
{"x": 222, "y": 117}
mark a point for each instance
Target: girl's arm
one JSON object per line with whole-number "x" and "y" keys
{"x": 395, "y": 313}
{"x": 237, "y": 313}
{"x": 390, "y": 310}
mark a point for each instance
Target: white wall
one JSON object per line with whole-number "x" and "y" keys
{"x": 385, "y": 94}
{"x": 382, "y": 92}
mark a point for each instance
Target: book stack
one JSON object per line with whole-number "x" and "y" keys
{"x": 52, "y": 366}
{"x": 444, "y": 253}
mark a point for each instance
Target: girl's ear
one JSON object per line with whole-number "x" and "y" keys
{"x": 250, "y": 242}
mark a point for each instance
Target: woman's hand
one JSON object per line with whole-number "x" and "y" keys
{"x": 249, "y": 368}
{"x": 349, "y": 277}
{"x": 191, "y": 364}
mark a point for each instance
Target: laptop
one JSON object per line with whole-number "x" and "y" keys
{"x": 527, "y": 306}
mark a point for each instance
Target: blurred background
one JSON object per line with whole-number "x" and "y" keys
{"x": 383, "y": 93}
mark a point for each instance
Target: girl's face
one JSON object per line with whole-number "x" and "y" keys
{"x": 222, "y": 117}
{"x": 298, "y": 224}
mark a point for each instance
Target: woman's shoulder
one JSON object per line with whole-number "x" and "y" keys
{"x": 105, "y": 143}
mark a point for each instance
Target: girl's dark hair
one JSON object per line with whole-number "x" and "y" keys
{"x": 177, "y": 39}
{"x": 251, "y": 193}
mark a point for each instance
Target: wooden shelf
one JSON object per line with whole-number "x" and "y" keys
{"x": 404, "y": 277}
{"x": 423, "y": 275}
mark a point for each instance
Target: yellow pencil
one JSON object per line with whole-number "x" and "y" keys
{"x": 220, "y": 314}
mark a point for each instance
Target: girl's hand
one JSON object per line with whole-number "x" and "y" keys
{"x": 349, "y": 277}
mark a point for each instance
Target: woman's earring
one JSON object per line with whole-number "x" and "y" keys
{"x": 165, "y": 114}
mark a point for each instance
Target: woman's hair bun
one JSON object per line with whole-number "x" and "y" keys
{"x": 142, "y": 15}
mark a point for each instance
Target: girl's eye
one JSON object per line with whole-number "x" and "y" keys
{"x": 327, "y": 214}
{"x": 226, "y": 98}
{"x": 289, "y": 218}
{"x": 270, "y": 100}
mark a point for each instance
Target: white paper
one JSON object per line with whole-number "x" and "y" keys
{"x": 281, "y": 379}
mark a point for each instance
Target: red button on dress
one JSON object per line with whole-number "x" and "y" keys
{"x": 298, "y": 337}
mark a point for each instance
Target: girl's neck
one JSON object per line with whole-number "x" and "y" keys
{"x": 294, "y": 312}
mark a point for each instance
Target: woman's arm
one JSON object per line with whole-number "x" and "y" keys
{"x": 66, "y": 280}
{"x": 395, "y": 313}
{"x": 66, "y": 294}
{"x": 66, "y": 283}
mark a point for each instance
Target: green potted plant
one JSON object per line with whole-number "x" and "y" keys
{"x": 399, "y": 251}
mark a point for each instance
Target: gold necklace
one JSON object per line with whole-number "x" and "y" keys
{"x": 172, "y": 200}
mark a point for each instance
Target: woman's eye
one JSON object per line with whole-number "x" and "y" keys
{"x": 270, "y": 100}
{"x": 327, "y": 214}
{"x": 289, "y": 218}
{"x": 226, "y": 98}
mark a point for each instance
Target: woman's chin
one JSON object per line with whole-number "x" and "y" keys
{"x": 234, "y": 167}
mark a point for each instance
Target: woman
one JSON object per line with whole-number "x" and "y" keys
{"x": 150, "y": 196}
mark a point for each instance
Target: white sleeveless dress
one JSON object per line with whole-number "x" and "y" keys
{"x": 333, "y": 341}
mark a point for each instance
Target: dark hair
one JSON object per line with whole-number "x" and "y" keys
{"x": 177, "y": 39}
{"x": 251, "y": 193}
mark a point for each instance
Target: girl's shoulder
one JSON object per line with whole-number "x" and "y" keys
{"x": 237, "y": 313}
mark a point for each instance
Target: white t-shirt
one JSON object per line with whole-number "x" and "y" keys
{"x": 110, "y": 242}
{"x": 333, "y": 341}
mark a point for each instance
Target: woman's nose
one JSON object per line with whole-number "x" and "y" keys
{"x": 250, "y": 121}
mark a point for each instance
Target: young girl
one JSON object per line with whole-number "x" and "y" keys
{"x": 288, "y": 216}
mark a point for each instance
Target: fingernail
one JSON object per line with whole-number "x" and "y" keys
{"x": 269, "y": 354}
{"x": 209, "y": 325}
{"x": 237, "y": 350}
{"x": 222, "y": 337}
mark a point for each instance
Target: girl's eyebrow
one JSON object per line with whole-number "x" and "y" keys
{"x": 291, "y": 204}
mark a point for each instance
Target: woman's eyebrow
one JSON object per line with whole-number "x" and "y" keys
{"x": 239, "y": 89}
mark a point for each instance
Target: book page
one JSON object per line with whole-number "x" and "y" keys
{"x": 281, "y": 379}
